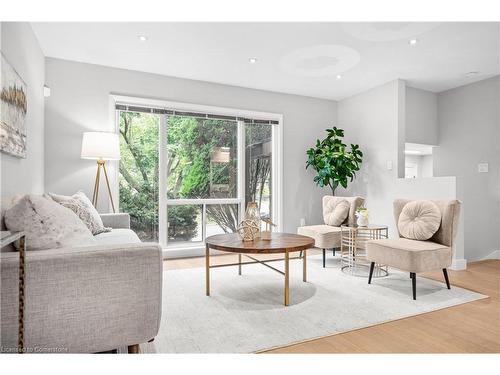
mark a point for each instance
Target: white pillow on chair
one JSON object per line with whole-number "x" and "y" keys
{"x": 336, "y": 211}
{"x": 419, "y": 220}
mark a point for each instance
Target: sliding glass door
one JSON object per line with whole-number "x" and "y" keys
{"x": 186, "y": 176}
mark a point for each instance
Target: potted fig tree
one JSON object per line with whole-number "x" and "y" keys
{"x": 334, "y": 162}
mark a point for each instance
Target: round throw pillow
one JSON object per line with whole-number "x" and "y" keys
{"x": 336, "y": 211}
{"x": 419, "y": 220}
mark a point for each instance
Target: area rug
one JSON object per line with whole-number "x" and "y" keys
{"x": 245, "y": 313}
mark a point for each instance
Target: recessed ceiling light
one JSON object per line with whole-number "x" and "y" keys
{"x": 142, "y": 38}
{"x": 252, "y": 60}
{"x": 412, "y": 42}
{"x": 339, "y": 76}
{"x": 471, "y": 74}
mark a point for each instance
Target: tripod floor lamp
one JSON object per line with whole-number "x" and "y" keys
{"x": 101, "y": 146}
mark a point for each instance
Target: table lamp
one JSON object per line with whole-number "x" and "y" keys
{"x": 101, "y": 146}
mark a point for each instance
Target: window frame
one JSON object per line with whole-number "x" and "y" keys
{"x": 164, "y": 202}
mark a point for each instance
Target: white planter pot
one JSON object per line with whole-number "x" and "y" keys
{"x": 362, "y": 221}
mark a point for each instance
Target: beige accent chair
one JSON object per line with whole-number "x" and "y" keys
{"x": 327, "y": 236}
{"x": 418, "y": 256}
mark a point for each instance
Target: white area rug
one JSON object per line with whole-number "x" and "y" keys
{"x": 246, "y": 313}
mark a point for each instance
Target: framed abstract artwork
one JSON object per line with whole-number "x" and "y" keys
{"x": 14, "y": 106}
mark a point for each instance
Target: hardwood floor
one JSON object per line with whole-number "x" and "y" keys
{"x": 469, "y": 328}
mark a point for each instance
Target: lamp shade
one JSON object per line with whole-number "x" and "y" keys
{"x": 100, "y": 145}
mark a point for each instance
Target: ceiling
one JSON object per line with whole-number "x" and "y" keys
{"x": 324, "y": 60}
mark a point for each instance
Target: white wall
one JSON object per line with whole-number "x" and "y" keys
{"x": 371, "y": 119}
{"x": 375, "y": 120}
{"x": 20, "y": 47}
{"x": 421, "y": 117}
{"x": 80, "y": 102}
{"x": 423, "y": 162}
{"x": 414, "y": 159}
{"x": 469, "y": 133}
{"x": 427, "y": 163}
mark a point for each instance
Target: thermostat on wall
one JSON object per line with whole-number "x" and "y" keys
{"x": 482, "y": 167}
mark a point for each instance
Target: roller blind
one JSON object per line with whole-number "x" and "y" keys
{"x": 173, "y": 112}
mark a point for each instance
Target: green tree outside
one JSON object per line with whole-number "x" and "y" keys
{"x": 202, "y": 163}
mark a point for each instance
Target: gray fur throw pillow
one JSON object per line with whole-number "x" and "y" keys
{"x": 47, "y": 224}
{"x": 83, "y": 208}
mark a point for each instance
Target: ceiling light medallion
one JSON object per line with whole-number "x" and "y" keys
{"x": 323, "y": 60}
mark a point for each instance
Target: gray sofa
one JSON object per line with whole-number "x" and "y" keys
{"x": 88, "y": 299}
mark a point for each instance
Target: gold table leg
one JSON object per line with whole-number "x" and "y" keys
{"x": 239, "y": 264}
{"x": 287, "y": 281}
{"x": 304, "y": 266}
{"x": 207, "y": 270}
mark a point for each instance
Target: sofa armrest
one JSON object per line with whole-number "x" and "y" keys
{"x": 116, "y": 221}
{"x": 86, "y": 299}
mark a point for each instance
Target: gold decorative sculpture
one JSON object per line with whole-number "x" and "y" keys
{"x": 252, "y": 214}
{"x": 248, "y": 230}
{"x": 266, "y": 234}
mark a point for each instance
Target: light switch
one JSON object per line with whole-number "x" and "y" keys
{"x": 389, "y": 165}
{"x": 482, "y": 167}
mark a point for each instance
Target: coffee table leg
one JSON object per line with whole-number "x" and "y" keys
{"x": 287, "y": 276}
{"x": 239, "y": 264}
{"x": 207, "y": 270}
{"x": 304, "y": 266}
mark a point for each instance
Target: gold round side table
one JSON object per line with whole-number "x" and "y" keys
{"x": 353, "y": 249}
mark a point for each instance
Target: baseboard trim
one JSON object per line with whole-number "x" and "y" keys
{"x": 493, "y": 255}
{"x": 458, "y": 265}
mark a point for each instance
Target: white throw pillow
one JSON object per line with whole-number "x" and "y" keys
{"x": 336, "y": 211}
{"x": 47, "y": 224}
{"x": 419, "y": 220}
{"x": 81, "y": 205}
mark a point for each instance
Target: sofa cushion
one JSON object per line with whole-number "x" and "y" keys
{"x": 47, "y": 224}
{"x": 336, "y": 211}
{"x": 419, "y": 220}
{"x": 117, "y": 237}
{"x": 81, "y": 205}
{"x": 409, "y": 255}
{"x": 325, "y": 236}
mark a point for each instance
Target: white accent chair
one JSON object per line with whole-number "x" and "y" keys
{"x": 416, "y": 256}
{"x": 327, "y": 236}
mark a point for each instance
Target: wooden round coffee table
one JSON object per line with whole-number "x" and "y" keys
{"x": 280, "y": 243}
